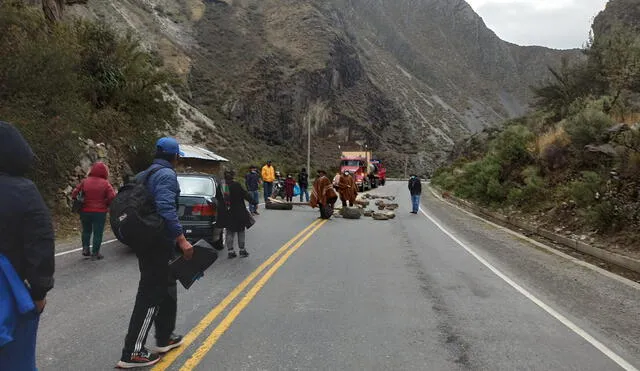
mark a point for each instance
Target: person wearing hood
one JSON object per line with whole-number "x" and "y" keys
{"x": 233, "y": 214}
{"x": 98, "y": 194}
{"x": 26, "y": 251}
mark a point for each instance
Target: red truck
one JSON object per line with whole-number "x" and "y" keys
{"x": 368, "y": 173}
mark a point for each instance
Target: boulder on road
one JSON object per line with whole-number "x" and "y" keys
{"x": 380, "y": 216}
{"x": 368, "y": 213}
{"x": 278, "y": 206}
{"x": 351, "y": 213}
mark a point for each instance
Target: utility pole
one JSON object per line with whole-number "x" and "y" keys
{"x": 406, "y": 165}
{"x": 309, "y": 146}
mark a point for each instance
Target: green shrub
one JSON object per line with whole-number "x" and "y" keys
{"x": 588, "y": 127}
{"x": 511, "y": 147}
{"x": 604, "y": 216}
{"x": 480, "y": 181}
{"x": 78, "y": 79}
{"x": 532, "y": 194}
{"x": 585, "y": 191}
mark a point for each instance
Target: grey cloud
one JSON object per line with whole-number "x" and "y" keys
{"x": 522, "y": 24}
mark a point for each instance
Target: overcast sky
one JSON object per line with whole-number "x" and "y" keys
{"x": 561, "y": 24}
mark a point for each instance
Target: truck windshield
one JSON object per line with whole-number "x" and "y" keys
{"x": 194, "y": 186}
{"x": 351, "y": 163}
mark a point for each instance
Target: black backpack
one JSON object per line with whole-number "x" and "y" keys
{"x": 133, "y": 216}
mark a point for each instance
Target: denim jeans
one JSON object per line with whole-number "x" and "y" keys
{"x": 304, "y": 192}
{"x": 255, "y": 196}
{"x": 268, "y": 189}
{"x": 415, "y": 202}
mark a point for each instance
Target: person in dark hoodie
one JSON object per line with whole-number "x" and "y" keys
{"x": 232, "y": 213}
{"x": 98, "y": 194}
{"x": 27, "y": 243}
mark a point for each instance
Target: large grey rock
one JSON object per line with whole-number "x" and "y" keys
{"x": 351, "y": 213}
{"x": 380, "y": 216}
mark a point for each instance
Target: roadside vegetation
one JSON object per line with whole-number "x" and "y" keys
{"x": 573, "y": 163}
{"x": 60, "y": 81}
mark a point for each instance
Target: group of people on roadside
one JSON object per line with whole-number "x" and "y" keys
{"x": 269, "y": 177}
{"x": 27, "y": 245}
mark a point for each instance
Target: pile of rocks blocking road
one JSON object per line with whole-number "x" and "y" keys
{"x": 384, "y": 205}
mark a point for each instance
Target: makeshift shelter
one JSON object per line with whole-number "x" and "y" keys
{"x": 200, "y": 160}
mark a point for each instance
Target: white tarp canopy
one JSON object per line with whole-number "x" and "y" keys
{"x": 191, "y": 151}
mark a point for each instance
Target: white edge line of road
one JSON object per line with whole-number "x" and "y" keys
{"x": 104, "y": 243}
{"x": 583, "y": 263}
{"x": 564, "y": 320}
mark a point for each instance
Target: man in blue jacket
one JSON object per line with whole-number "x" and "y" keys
{"x": 27, "y": 242}
{"x": 156, "y": 301}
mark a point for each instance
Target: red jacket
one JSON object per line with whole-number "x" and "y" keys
{"x": 98, "y": 192}
{"x": 289, "y": 185}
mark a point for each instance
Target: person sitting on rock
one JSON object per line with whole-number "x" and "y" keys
{"x": 323, "y": 195}
{"x": 347, "y": 189}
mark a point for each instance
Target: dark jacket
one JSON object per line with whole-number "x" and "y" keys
{"x": 303, "y": 180}
{"x": 251, "y": 181}
{"x": 415, "y": 186}
{"x": 236, "y": 217}
{"x": 26, "y": 231}
{"x": 163, "y": 185}
{"x": 98, "y": 192}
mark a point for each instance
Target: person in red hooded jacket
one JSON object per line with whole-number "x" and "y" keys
{"x": 98, "y": 194}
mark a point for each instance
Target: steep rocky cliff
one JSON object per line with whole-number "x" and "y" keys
{"x": 405, "y": 77}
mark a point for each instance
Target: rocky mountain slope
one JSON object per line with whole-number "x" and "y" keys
{"x": 405, "y": 77}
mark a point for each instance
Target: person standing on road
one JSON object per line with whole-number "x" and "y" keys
{"x": 415, "y": 188}
{"x": 303, "y": 182}
{"x": 157, "y": 301}
{"x": 26, "y": 253}
{"x": 347, "y": 189}
{"x": 323, "y": 195}
{"x": 252, "y": 182}
{"x": 232, "y": 213}
{"x": 98, "y": 194}
{"x": 289, "y": 187}
{"x": 268, "y": 176}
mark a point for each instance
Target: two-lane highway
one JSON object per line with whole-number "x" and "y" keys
{"x": 434, "y": 291}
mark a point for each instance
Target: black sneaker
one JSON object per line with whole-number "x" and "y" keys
{"x": 142, "y": 359}
{"x": 232, "y": 254}
{"x": 165, "y": 346}
{"x": 244, "y": 253}
{"x": 86, "y": 252}
{"x": 97, "y": 256}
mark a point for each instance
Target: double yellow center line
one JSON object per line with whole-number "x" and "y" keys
{"x": 283, "y": 253}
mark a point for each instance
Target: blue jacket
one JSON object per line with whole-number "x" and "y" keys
{"x": 251, "y": 181}
{"x": 16, "y": 300}
{"x": 163, "y": 184}
{"x": 26, "y": 231}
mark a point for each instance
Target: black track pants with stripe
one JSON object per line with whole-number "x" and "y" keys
{"x": 156, "y": 301}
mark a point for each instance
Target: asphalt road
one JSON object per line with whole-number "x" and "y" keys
{"x": 435, "y": 291}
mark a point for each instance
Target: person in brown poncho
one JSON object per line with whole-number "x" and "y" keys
{"x": 347, "y": 189}
{"x": 323, "y": 195}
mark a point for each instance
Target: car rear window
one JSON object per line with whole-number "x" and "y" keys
{"x": 194, "y": 186}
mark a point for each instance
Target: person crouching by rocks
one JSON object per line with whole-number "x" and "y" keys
{"x": 347, "y": 189}
{"x": 233, "y": 214}
{"x": 97, "y": 193}
{"x": 289, "y": 185}
{"x": 323, "y": 195}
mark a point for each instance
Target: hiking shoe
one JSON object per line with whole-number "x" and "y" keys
{"x": 97, "y": 256}
{"x": 165, "y": 346}
{"x": 244, "y": 253}
{"x": 232, "y": 254}
{"x": 85, "y": 252}
{"x": 142, "y": 359}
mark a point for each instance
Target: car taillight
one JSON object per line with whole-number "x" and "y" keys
{"x": 202, "y": 210}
